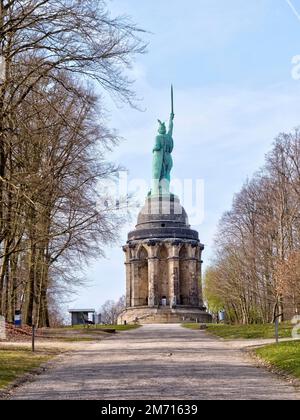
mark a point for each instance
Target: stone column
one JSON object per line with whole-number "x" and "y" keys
{"x": 153, "y": 268}
{"x": 194, "y": 275}
{"x": 134, "y": 286}
{"x": 134, "y": 283}
{"x": 126, "y": 249}
{"x": 174, "y": 250}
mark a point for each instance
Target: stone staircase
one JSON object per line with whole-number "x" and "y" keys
{"x": 163, "y": 315}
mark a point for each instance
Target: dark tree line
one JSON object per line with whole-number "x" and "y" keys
{"x": 53, "y": 139}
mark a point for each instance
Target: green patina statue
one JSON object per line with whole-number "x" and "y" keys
{"x": 162, "y": 156}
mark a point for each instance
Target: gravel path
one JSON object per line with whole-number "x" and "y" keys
{"x": 157, "y": 362}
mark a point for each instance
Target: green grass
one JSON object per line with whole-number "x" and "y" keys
{"x": 283, "y": 356}
{"x": 191, "y": 326}
{"x": 15, "y": 362}
{"x": 235, "y": 332}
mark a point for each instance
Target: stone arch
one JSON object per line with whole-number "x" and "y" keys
{"x": 163, "y": 279}
{"x": 184, "y": 276}
{"x": 133, "y": 251}
{"x": 142, "y": 255}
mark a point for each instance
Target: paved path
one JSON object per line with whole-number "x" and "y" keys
{"x": 157, "y": 362}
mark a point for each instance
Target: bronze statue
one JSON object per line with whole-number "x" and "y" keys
{"x": 162, "y": 155}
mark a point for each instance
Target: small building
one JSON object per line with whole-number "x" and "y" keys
{"x": 82, "y": 316}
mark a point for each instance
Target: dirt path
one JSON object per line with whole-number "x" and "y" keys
{"x": 157, "y": 362}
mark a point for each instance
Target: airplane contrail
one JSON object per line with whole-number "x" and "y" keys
{"x": 293, "y": 8}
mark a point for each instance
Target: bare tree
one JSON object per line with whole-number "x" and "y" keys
{"x": 53, "y": 141}
{"x": 258, "y": 240}
{"x": 111, "y": 310}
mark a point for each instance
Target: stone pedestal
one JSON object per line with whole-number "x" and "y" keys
{"x": 163, "y": 266}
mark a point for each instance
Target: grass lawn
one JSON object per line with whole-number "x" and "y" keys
{"x": 233, "y": 332}
{"x": 14, "y": 362}
{"x": 191, "y": 326}
{"x": 284, "y": 356}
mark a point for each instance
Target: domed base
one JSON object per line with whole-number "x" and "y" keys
{"x": 145, "y": 315}
{"x": 163, "y": 217}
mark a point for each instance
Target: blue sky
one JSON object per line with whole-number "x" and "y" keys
{"x": 231, "y": 66}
